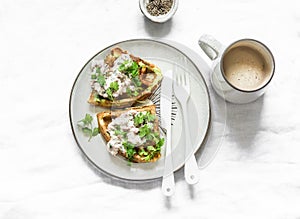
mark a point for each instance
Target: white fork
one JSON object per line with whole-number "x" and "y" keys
{"x": 181, "y": 88}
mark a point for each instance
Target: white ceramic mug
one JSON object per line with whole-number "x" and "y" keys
{"x": 240, "y": 71}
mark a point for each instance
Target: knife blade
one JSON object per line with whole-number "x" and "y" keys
{"x": 168, "y": 183}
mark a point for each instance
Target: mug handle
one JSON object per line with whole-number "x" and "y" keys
{"x": 210, "y": 46}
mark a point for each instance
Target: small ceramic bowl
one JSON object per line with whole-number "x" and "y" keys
{"x": 159, "y": 18}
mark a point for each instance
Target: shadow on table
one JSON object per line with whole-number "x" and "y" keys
{"x": 179, "y": 176}
{"x": 243, "y": 123}
{"x": 157, "y": 29}
{"x": 142, "y": 185}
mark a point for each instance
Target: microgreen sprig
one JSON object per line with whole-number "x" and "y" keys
{"x": 86, "y": 126}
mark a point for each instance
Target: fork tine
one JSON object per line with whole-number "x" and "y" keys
{"x": 184, "y": 78}
{"x": 177, "y": 79}
{"x": 187, "y": 78}
{"x": 181, "y": 79}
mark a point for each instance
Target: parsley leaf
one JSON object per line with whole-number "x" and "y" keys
{"x": 153, "y": 151}
{"x": 95, "y": 132}
{"x": 138, "y": 119}
{"x": 128, "y": 91}
{"x": 87, "y": 131}
{"x": 134, "y": 70}
{"x": 98, "y": 70}
{"x": 114, "y": 86}
{"x": 86, "y": 126}
{"x": 131, "y": 68}
{"x": 160, "y": 143}
{"x": 135, "y": 93}
{"x": 149, "y": 117}
{"x": 130, "y": 151}
{"x": 101, "y": 79}
{"x": 144, "y": 130}
{"x": 120, "y": 132}
{"x": 97, "y": 98}
{"x": 132, "y": 93}
{"x": 109, "y": 93}
{"x": 93, "y": 76}
{"x": 141, "y": 118}
{"x": 150, "y": 148}
{"x": 87, "y": 119}
{"x": 136, "y": 81}
{"x": 142, "y": 152}
{"x": 123, "y": 67}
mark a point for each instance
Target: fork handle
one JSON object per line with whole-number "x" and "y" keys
{"x": 191, "y": 169}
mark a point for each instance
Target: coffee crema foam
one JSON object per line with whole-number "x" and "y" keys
{"x": 244, "y": 68}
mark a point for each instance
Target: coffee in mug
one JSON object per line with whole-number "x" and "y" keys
{"x": 242, "y": 70}
{"x": 246, "y": 67}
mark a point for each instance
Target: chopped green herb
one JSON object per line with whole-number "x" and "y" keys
{"x": 97, "y": 98}
{"x": 144, "y": 131}
{"x": 98, "y": 70}
{"x": 149, "y": 117}
{"x": 129, "y": 150}
{"x": 134, "y": 69}
{"x": 138, "y": 119}
{"x": 142, "y": 152}
{"x": 150, "y": 148}
{"x": 123, "y": 67}
{"x": 153, "y": 151}
{"x": 148, "y": 158}
{"x": 160, "y": 143}
{"x": 109, "y": 94}
{"x": 136, "y": 81}
{"x": 93, "y": 76}
{"x": 101, "y": 79}
{"x": 131, "y": 68}
{"x": 150, "y": 155}
{"x": 141, "y": 118}
{"x": 120, "y": 132}
{"x": 128, "y": 91}
{"x": 132, "y": 93}
{"x": 114, "y": 86}
{"x": 152, "y": 137}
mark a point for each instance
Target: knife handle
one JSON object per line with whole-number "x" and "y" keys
{"x": 168, "y": 185}
{"x": 168, "y": 182}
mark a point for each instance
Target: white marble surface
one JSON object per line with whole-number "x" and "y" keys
{"x": 44, "y": 44}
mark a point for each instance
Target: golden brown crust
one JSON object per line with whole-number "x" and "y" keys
{"x": 144, "y": 77}
{"x": 105, "y": 117}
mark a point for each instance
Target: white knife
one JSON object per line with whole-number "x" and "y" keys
{"x": 168, "y": 183}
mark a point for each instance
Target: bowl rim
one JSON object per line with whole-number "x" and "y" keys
{"x": 159, "y": 18}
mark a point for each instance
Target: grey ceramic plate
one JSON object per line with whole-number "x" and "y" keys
{"x": 166, "y": 57}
